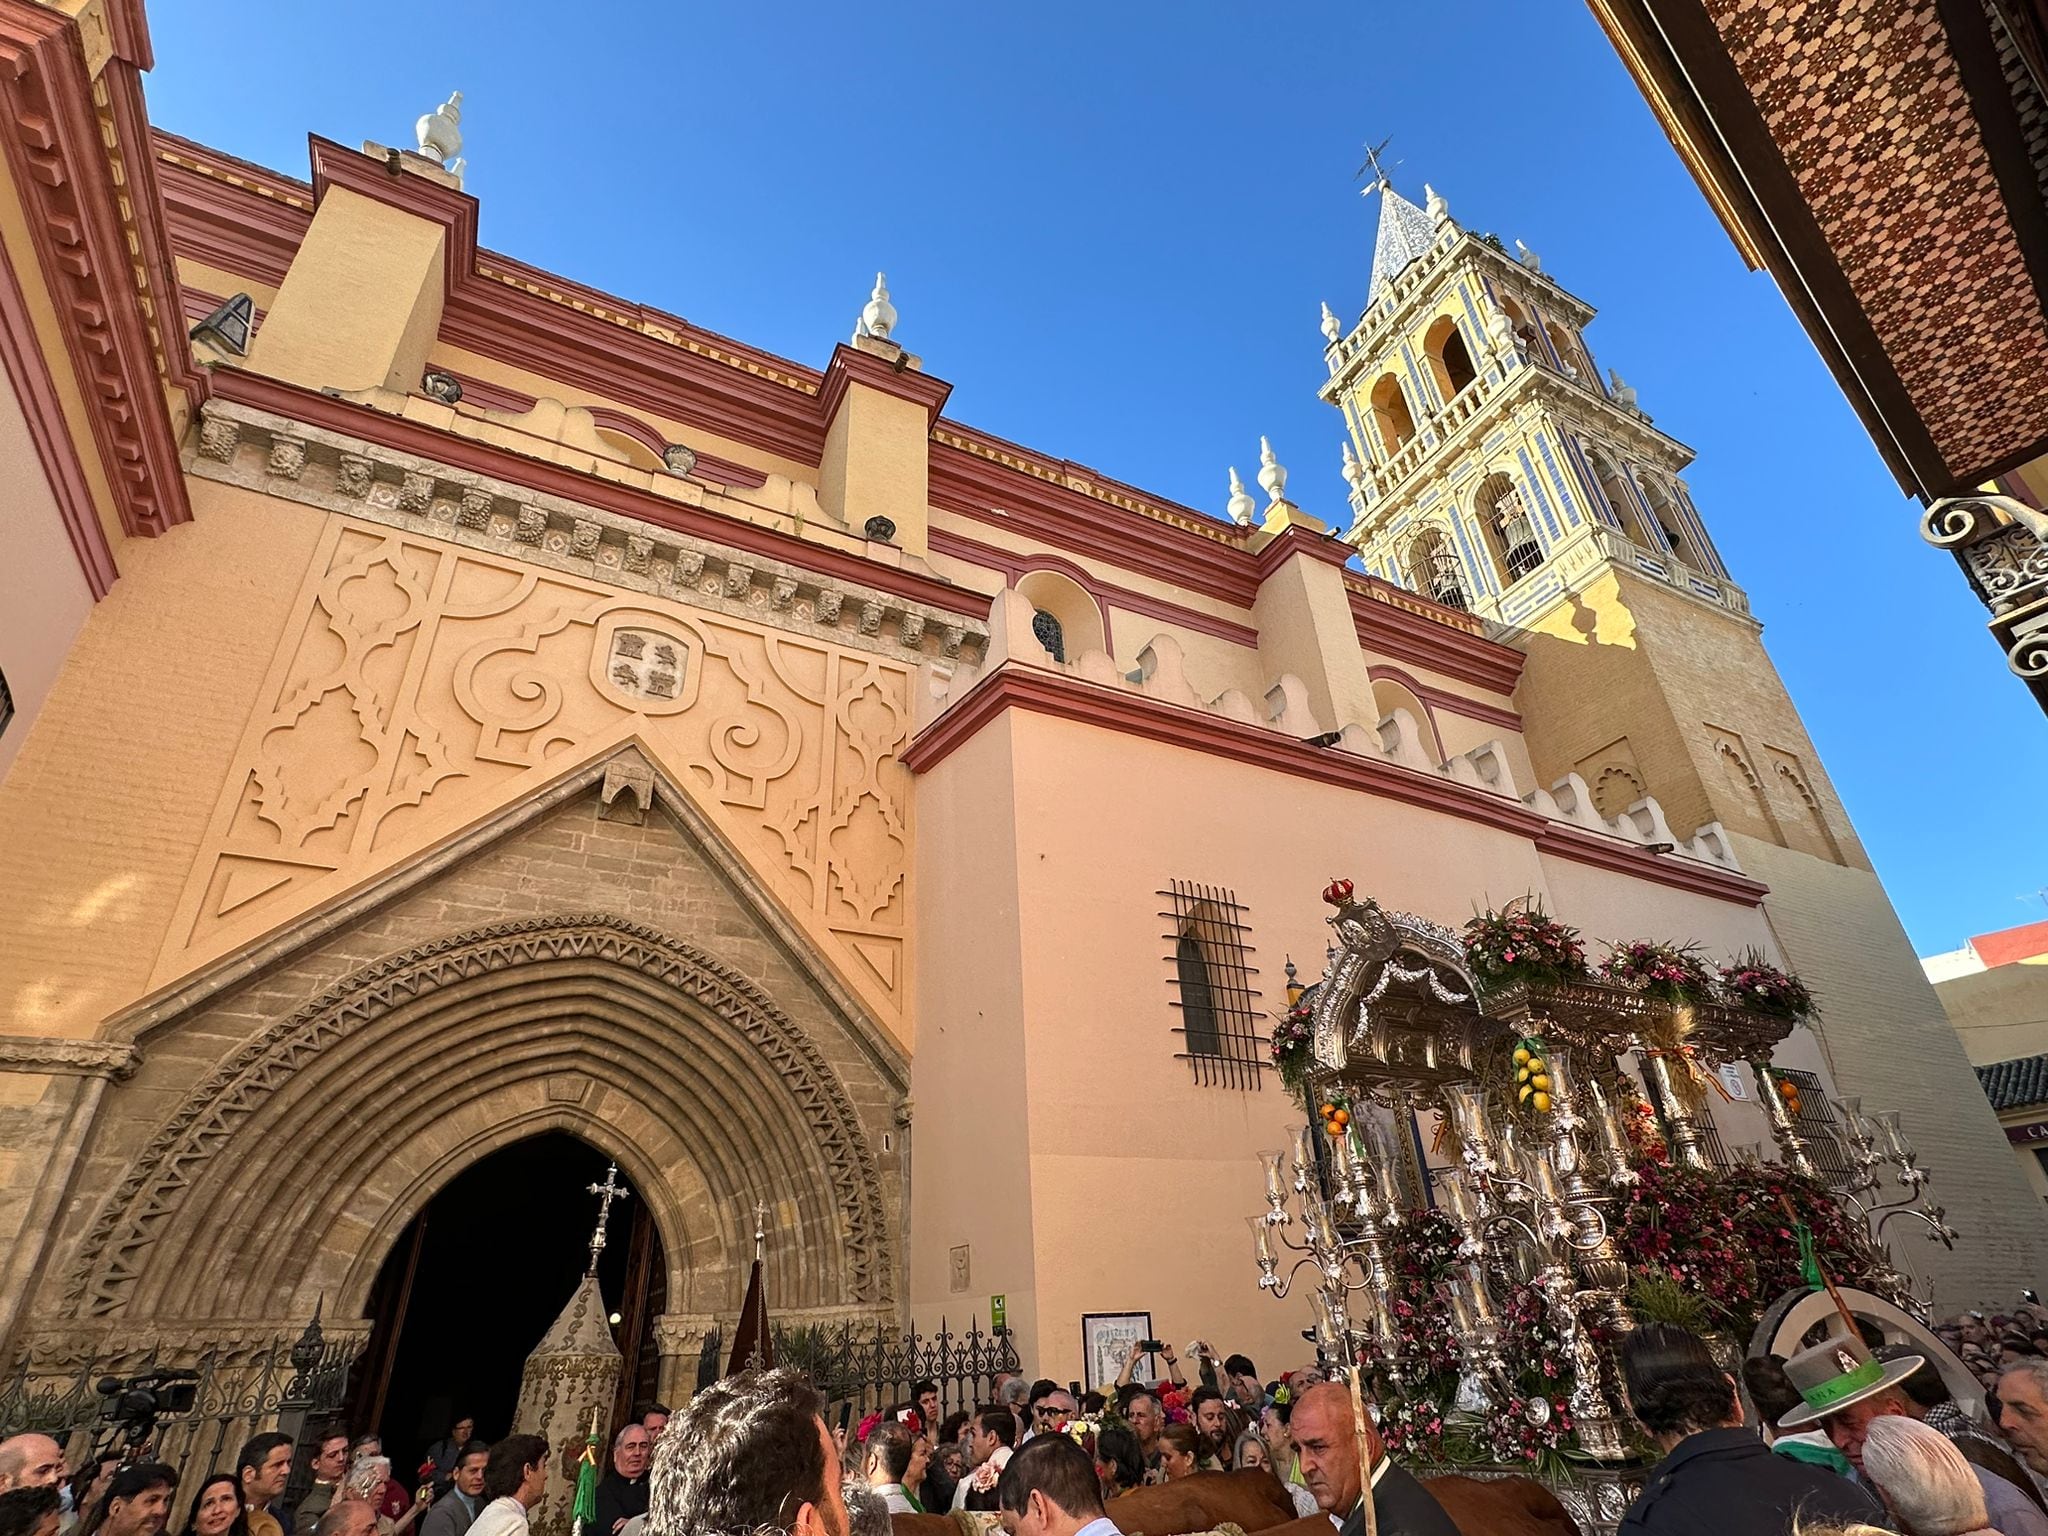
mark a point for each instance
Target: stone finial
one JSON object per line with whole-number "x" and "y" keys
{"x": 1624, "y": 394}
{"x": 440, "y": 131}
{"x": 1240, "y": 506}
{"x": 1527, "y": 257}
{"x": 1354, "y": 472}
{"x": 1434, "y": 205}
{"x": 1272, "y": 473}
{"x": 1333, "y": 329}
{"x": 878, "y": 315}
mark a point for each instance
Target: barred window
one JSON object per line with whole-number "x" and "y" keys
{"x": 1816, "y": 1122}
{"x": 1213, "y": 986}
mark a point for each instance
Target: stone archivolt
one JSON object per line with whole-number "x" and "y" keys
{"x": 418, "y": 684}
{"x": 262, "y": 1189}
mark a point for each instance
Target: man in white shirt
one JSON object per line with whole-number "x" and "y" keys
{"x": 1050, "y": 1489}
{"x": 515, "y": 1478}
{"x": 988, "y": 1452}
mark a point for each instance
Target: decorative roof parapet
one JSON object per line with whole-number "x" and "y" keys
{"x": 262, "y": 451}
{"x": 1398, "y": 740}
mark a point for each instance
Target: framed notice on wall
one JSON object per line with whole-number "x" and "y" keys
{"x": 1106, "y": 1339}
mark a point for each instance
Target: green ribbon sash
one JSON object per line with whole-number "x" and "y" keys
{"x": 1829, "y": 1393}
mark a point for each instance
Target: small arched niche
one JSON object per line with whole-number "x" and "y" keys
{"x": 1450, "y": 363}
{"x": 1388, "y": 695}
{"x": 1390, "y": 413}
{"x": 1076, "y": 622}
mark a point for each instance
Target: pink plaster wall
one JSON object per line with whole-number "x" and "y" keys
{"x": 43, "y": 596}
{"x": 1125, "y": 1184}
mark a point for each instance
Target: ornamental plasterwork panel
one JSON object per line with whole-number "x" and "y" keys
{"x": 264, "y": 452}
{"x": 419, "y": 685}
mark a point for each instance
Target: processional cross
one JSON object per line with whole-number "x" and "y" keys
{"x": 760, "y": 1230}
{"x": 1372, "y": 163}
{"x": 607, "y": 1192}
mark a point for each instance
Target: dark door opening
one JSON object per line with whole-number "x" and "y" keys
{"x": 479, "y": 1275}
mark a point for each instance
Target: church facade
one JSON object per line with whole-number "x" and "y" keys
{"x": 468, "y": 707}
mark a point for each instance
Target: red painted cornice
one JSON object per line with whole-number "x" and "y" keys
{"x": 849, "y": 365}
{"x": 1045, "y": 511}
{"x": 1445, "y": 700}
{"x": 21, "y": 358}
{"x": 1014, "y": 564}
{"x": 660, "y": 364}
{"x": 252, "y": 234}
{"x": 548, "y": 478}
{"x": 1048, "y": 693}
{"x": 1292, "y": 541}
{"x": 1391, "y": 628}
{"x": 58, "y": 156}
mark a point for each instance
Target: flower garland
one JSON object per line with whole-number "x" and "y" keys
{"x": 1422, "y": 1415}
{"x": 1292, "y": 1047}
{"x": 1762, "y": 988}
{"x": 1722, "y": 1234}
{"x": 1522, "y": 945}
{"x": 1672, "y": 972}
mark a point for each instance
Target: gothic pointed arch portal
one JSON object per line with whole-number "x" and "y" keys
{"x": 287, "y": 1175}
{"x": 448, "y": 1338}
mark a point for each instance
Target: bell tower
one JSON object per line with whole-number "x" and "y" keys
{"x": 1489, "y": 464}
{"x": 1493, "y": 469}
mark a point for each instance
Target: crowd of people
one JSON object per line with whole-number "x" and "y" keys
{"x": 1847, "y": 1437}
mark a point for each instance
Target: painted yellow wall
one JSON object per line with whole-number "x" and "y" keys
{"x": 877, "y": 463}
{"x": 1999, "y": 1014}
{"x": 362, "y": 301}
{"x": 106, "y": 805}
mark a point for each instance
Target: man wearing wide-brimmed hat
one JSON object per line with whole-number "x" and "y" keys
{"x": 1844, "y": 1386}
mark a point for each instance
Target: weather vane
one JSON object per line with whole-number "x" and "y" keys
{"x": 607, "y": 1192}
{"x": 1372, "y": 163}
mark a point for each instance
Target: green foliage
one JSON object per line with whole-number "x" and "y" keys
{"x": 1655, "y": 1297}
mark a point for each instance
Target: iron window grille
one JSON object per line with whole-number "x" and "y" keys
{"x": 1816, "y": 1122}
{"x": 1210, "y": 955}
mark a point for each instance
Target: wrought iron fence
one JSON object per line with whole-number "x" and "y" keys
{"x": 873, "y": 1366}
{"x": 192, "y": 1416}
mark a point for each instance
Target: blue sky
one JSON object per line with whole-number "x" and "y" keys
{"x": 1109, "y": 226}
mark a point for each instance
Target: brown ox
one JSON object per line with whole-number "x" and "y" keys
{"x": 1255, "y": 1501}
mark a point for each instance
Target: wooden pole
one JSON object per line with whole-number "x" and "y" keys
{"x": 1358, "y": 1426}
{"x": 1834, "y": 1295}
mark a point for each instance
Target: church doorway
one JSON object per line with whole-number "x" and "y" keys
{"x": 477, "y": 1277}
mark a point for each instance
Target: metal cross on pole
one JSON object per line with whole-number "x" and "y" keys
{"x": 607, "y": 1192}
{"x": 760, "y": 1230}
{"x": 1372, "y": 163}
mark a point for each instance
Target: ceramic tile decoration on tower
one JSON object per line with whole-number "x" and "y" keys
{"x": 750, "y": 770}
